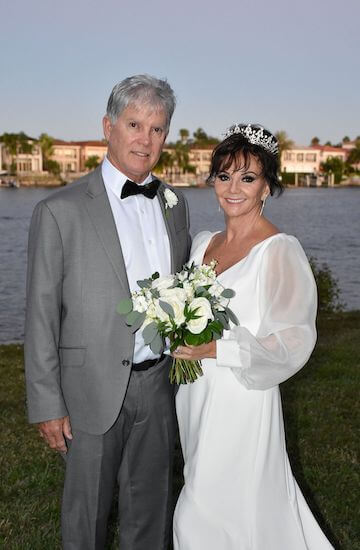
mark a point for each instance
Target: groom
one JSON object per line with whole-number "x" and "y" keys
{"x": 97, "y": 393}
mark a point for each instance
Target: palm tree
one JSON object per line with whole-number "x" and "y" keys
{"x": 354, "y": 156}
{"x": 11, "y": 145}
{"x": 184, "y": 135}
{"x": 15, "y": 144}
{"x": 165, "y": 161}
{"x": 284, "y": 143}
{"x": 92, "y": 162}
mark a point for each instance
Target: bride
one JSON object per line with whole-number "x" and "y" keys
{"x": 239, "y": 491}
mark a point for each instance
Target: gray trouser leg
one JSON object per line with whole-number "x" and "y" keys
{"x": 145, "y": 476}
{"x": 137, "y": 451}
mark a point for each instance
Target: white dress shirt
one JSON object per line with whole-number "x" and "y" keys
{"x": 142, "y": 235}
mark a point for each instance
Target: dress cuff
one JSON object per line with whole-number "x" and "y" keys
{"x": 230, "y": 353}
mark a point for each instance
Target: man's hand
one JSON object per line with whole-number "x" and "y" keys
{"x": 53, "y": 432}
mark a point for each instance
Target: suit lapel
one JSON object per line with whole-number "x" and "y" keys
{"x": 99, "y": 209}
{"x": 169, "y": 223}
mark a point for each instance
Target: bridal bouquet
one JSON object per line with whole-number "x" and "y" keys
{"x": 188, "y": 308}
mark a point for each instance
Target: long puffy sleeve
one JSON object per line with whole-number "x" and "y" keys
{"x": 286, "y": 336}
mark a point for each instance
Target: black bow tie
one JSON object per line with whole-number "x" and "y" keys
{"x": 131, "y": 188}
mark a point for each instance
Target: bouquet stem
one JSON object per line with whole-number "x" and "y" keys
{"x": 185, "y": 372}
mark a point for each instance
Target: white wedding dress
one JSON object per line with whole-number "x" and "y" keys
{"x": 239, "y": 491}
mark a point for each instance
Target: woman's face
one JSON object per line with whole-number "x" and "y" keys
{"x": 241, "y": 190}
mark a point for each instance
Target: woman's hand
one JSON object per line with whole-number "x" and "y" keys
{"x": 195, "y": 353}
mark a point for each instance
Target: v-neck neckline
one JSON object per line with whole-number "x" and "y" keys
{"x": 212, "y": 235}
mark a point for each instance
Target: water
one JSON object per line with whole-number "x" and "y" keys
{"x": 326, "y": 221}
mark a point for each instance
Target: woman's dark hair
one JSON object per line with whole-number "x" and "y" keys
{"x": 238, "y": 150}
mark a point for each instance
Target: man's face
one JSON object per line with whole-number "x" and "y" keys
{"x": 136, "y": 139}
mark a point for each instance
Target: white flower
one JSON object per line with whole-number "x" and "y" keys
{"x": 163, "y": 282}
{"x": 171, "y": 199}
{"x": 204, "y": 313}
{"x": 188, "y": 287}
{"x": 182, "y": 276}
{"x": 216, "y": 290}
{"x": 139, "y": 303}
{"x": 177, "y": 292}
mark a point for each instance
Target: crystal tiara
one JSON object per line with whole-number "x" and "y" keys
{"x": 255, "y": 135}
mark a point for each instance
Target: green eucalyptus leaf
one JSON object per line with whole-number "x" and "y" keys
{"x": 138, "y": 322}
{"x": 232, "y": 316}
{"x": 146, "y": 283}
{"x": 131, "y": 317}
{"x": 167, "y": 308}
{"x": 228, "y": 293}
{"x": 124, "y": 306}
{"x": 149, "y": 333}
{"x": 157, "y": 344}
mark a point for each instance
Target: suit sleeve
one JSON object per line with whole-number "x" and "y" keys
{"x": 287, "y": 303}
{"x": 43, "y": 315}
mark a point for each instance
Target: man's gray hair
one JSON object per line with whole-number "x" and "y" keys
{"x": 141, "y": 89}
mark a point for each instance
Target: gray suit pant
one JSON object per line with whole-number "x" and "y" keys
{"x": 138, "y": 453}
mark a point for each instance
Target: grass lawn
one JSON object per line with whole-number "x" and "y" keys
{"x": 321, "y": 408}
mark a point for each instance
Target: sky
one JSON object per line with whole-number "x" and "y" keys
{"x": 289, "y": 65}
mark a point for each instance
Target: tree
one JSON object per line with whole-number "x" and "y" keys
{"x": 165, "y": 161}
{"x": 184, "y": 135}
{"x": 315, "y": 141}
{"x": 46, "y": 143}
{"x": 345, "y": 139}
{"x": 15, "y": 144}
{"x": 328, "y": 143}
{"x": 201, "y": 138}
{"x": 335, "y": 166}
{"x": 92, "y": 162}
{"x": 354, "y": 156}
{"x": 53, "y": 167}
{"x": 284, "y": 142}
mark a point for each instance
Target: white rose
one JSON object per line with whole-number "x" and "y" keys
{"x": 203, "y": 313}
{"x": 163, "y": 282}
{"x": 171, "y": 198}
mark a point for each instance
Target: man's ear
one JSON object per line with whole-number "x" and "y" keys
{"x": 107, "y": 126}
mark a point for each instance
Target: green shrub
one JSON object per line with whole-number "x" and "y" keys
{"x": 328, "y": 288}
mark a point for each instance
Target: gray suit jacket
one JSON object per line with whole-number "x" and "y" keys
{"x": 78, "y": 350}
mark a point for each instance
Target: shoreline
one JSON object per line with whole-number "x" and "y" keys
{"x": 179, "y": 185}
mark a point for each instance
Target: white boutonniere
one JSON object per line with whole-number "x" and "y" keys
{"x": 171, "y": 199}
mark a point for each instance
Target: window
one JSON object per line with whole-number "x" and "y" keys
{"x": 310, "y": 157}
{"x": 289, "y": 156}
{"x": 300, "y": 157}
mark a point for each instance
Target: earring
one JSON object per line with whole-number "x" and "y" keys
{"x": 262, "y": 206}
{"x": 219, "y": 207}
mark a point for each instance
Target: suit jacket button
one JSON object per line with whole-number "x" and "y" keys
{"x": 126, "y": 363}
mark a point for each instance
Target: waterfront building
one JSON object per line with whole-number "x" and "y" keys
{"x": 308, "y": 160}
{"x": 94, "y": 148}
{"x": 67, "y": 155}
{"x": 24, "y": 163}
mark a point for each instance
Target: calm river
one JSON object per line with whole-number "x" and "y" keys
{"x": 326, "y": 221}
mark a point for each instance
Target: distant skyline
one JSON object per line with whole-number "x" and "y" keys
{"x": 290, "y": 66}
